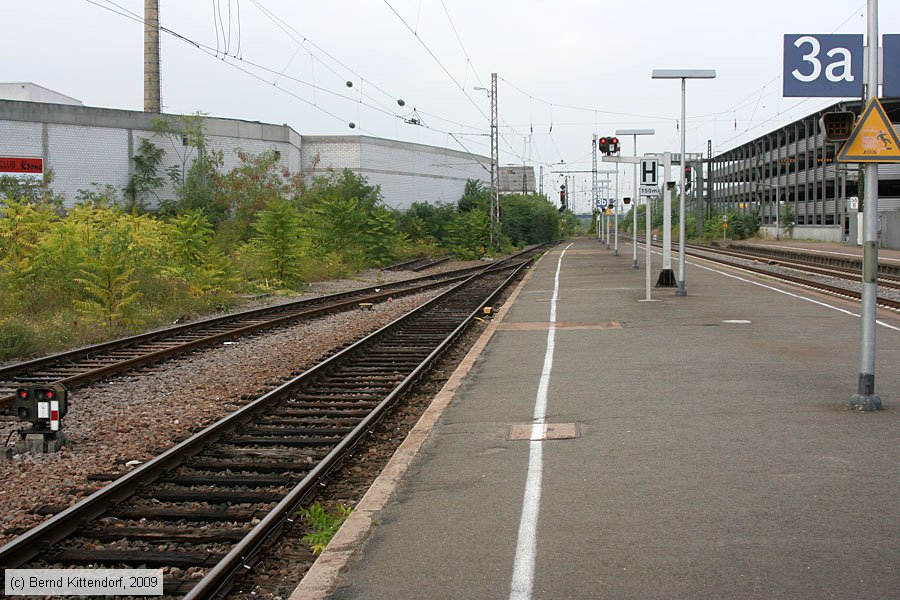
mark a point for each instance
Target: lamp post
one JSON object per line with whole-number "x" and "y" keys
{"x": 635, "y": 133}
{"x": 682, "y": 74}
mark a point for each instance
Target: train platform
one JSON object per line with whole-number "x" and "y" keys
{"x": 886, "y": 255}
{"x": 597, "y": 445}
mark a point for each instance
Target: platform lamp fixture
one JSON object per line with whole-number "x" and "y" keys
{"x": 682, "y": 74}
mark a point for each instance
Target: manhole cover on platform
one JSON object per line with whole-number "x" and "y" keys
{"x": 547, "y": 431}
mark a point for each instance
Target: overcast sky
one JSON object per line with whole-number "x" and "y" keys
{"x": 566, "y": 68}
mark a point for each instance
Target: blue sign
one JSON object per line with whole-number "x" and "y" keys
{"x": 891, "y": 65}
{"x": 825, "y": 66}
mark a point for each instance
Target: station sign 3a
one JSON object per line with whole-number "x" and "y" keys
{"x": 873, "y": 139}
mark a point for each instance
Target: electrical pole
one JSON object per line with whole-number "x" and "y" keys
{"x": 594, "y": 191}
{"x": 152, "y": 93}
{"x": 495, "y": 167}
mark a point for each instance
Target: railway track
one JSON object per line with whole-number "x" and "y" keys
{"x": 841, "y": 270}
{"x": 705, "y": 252}
{"x": 832, "y": 260}
{"x": 418, "y": 264}
{"x": 217, "y": 499}
{"x": 76, "y": 368}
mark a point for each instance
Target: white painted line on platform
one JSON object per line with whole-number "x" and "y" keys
{"x": 786, "y": 293}
{"x": 791, "y": 294}
{"x": 526, "y": 545}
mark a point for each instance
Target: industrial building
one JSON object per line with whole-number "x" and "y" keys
{"x": 516, "y": 179}
{"x": 86, "y": 145}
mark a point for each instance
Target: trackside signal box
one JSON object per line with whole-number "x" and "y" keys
{"x": 42, "y": 405}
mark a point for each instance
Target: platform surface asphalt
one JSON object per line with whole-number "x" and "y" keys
{"x": 714, "y": 452}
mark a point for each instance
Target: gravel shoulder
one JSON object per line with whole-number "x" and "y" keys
{"x": 116, "y": 424}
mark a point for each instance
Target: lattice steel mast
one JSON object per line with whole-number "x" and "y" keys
{"x": 495, "y": 167}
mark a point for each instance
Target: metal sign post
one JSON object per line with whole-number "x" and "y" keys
{"x": 667, "y": 276}
{"x": 646, "y": 191}
{"x": 865, "y": 397}
{"x": 635, "y": 133}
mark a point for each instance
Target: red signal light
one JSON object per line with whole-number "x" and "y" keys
{"x": 50, "y": 394}
{"x": 23, "y": 393}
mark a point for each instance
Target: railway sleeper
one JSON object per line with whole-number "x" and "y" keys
{"x": 294, "y": 442}
{"x": 353, "y": 376}
{"x": 363, "y": 393}
{"x": 229, "y": 497}
{"x": 404, "y": 365}
{"x": 219, "y": 480}
{"x": 324, "y": 420}
{"x": 331, "y": 401}
{"x": 150, "y": 560}
{"x": 285, "y": 430}
{"x": 317, "y": 413}
{"x": 359, "y": 384}
{"x": 210, "y": 535}
{"x": 177, "y": 513}
{"x": 308, "y": 455}
{"x": 374, "y": 370}
{"x": 255, "y": 465}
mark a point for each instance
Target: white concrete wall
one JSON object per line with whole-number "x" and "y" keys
{"x": 85, "y": 145}
{"x": 405, "y": 172}
{"x": 21, "y": 139}
{"x": 801, "y": 232}
{"x": 80, "y": 156}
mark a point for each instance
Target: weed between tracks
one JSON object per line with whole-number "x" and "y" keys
{"x": 322, "y": 524}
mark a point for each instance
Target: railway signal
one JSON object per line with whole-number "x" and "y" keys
{"x": 838, "y": 125}
{"x": 43, "y": 406}
{"x": 608, "y": 145}
{"x": 603, "y": 145}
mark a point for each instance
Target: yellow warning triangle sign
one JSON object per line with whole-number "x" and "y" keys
{"x": 873, "y": 139}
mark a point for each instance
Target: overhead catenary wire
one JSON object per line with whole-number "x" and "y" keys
{"x": 228, "y": 59}
{"x": 279, "y": 74}
{"x": 293, "y": 33}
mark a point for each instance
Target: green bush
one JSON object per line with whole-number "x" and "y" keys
{"x": 16, "y": 339}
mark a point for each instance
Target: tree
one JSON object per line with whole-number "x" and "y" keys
{"x": 529, "y": 219}
{"x": 469, "y": 233}
{"x": 344, "y": 216}
{"x": 474, "y": 196}
{"x": 253, "y": 185}
{"x": 22, "y": 228}
{"x": 787, "y": 219}
{"x": 29, "y": 190}
{"x": 278, "y": 239}
{"x": 107, "y": 278}
{"x": 145, "y": 178}
{"x": 195, "y": 186}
